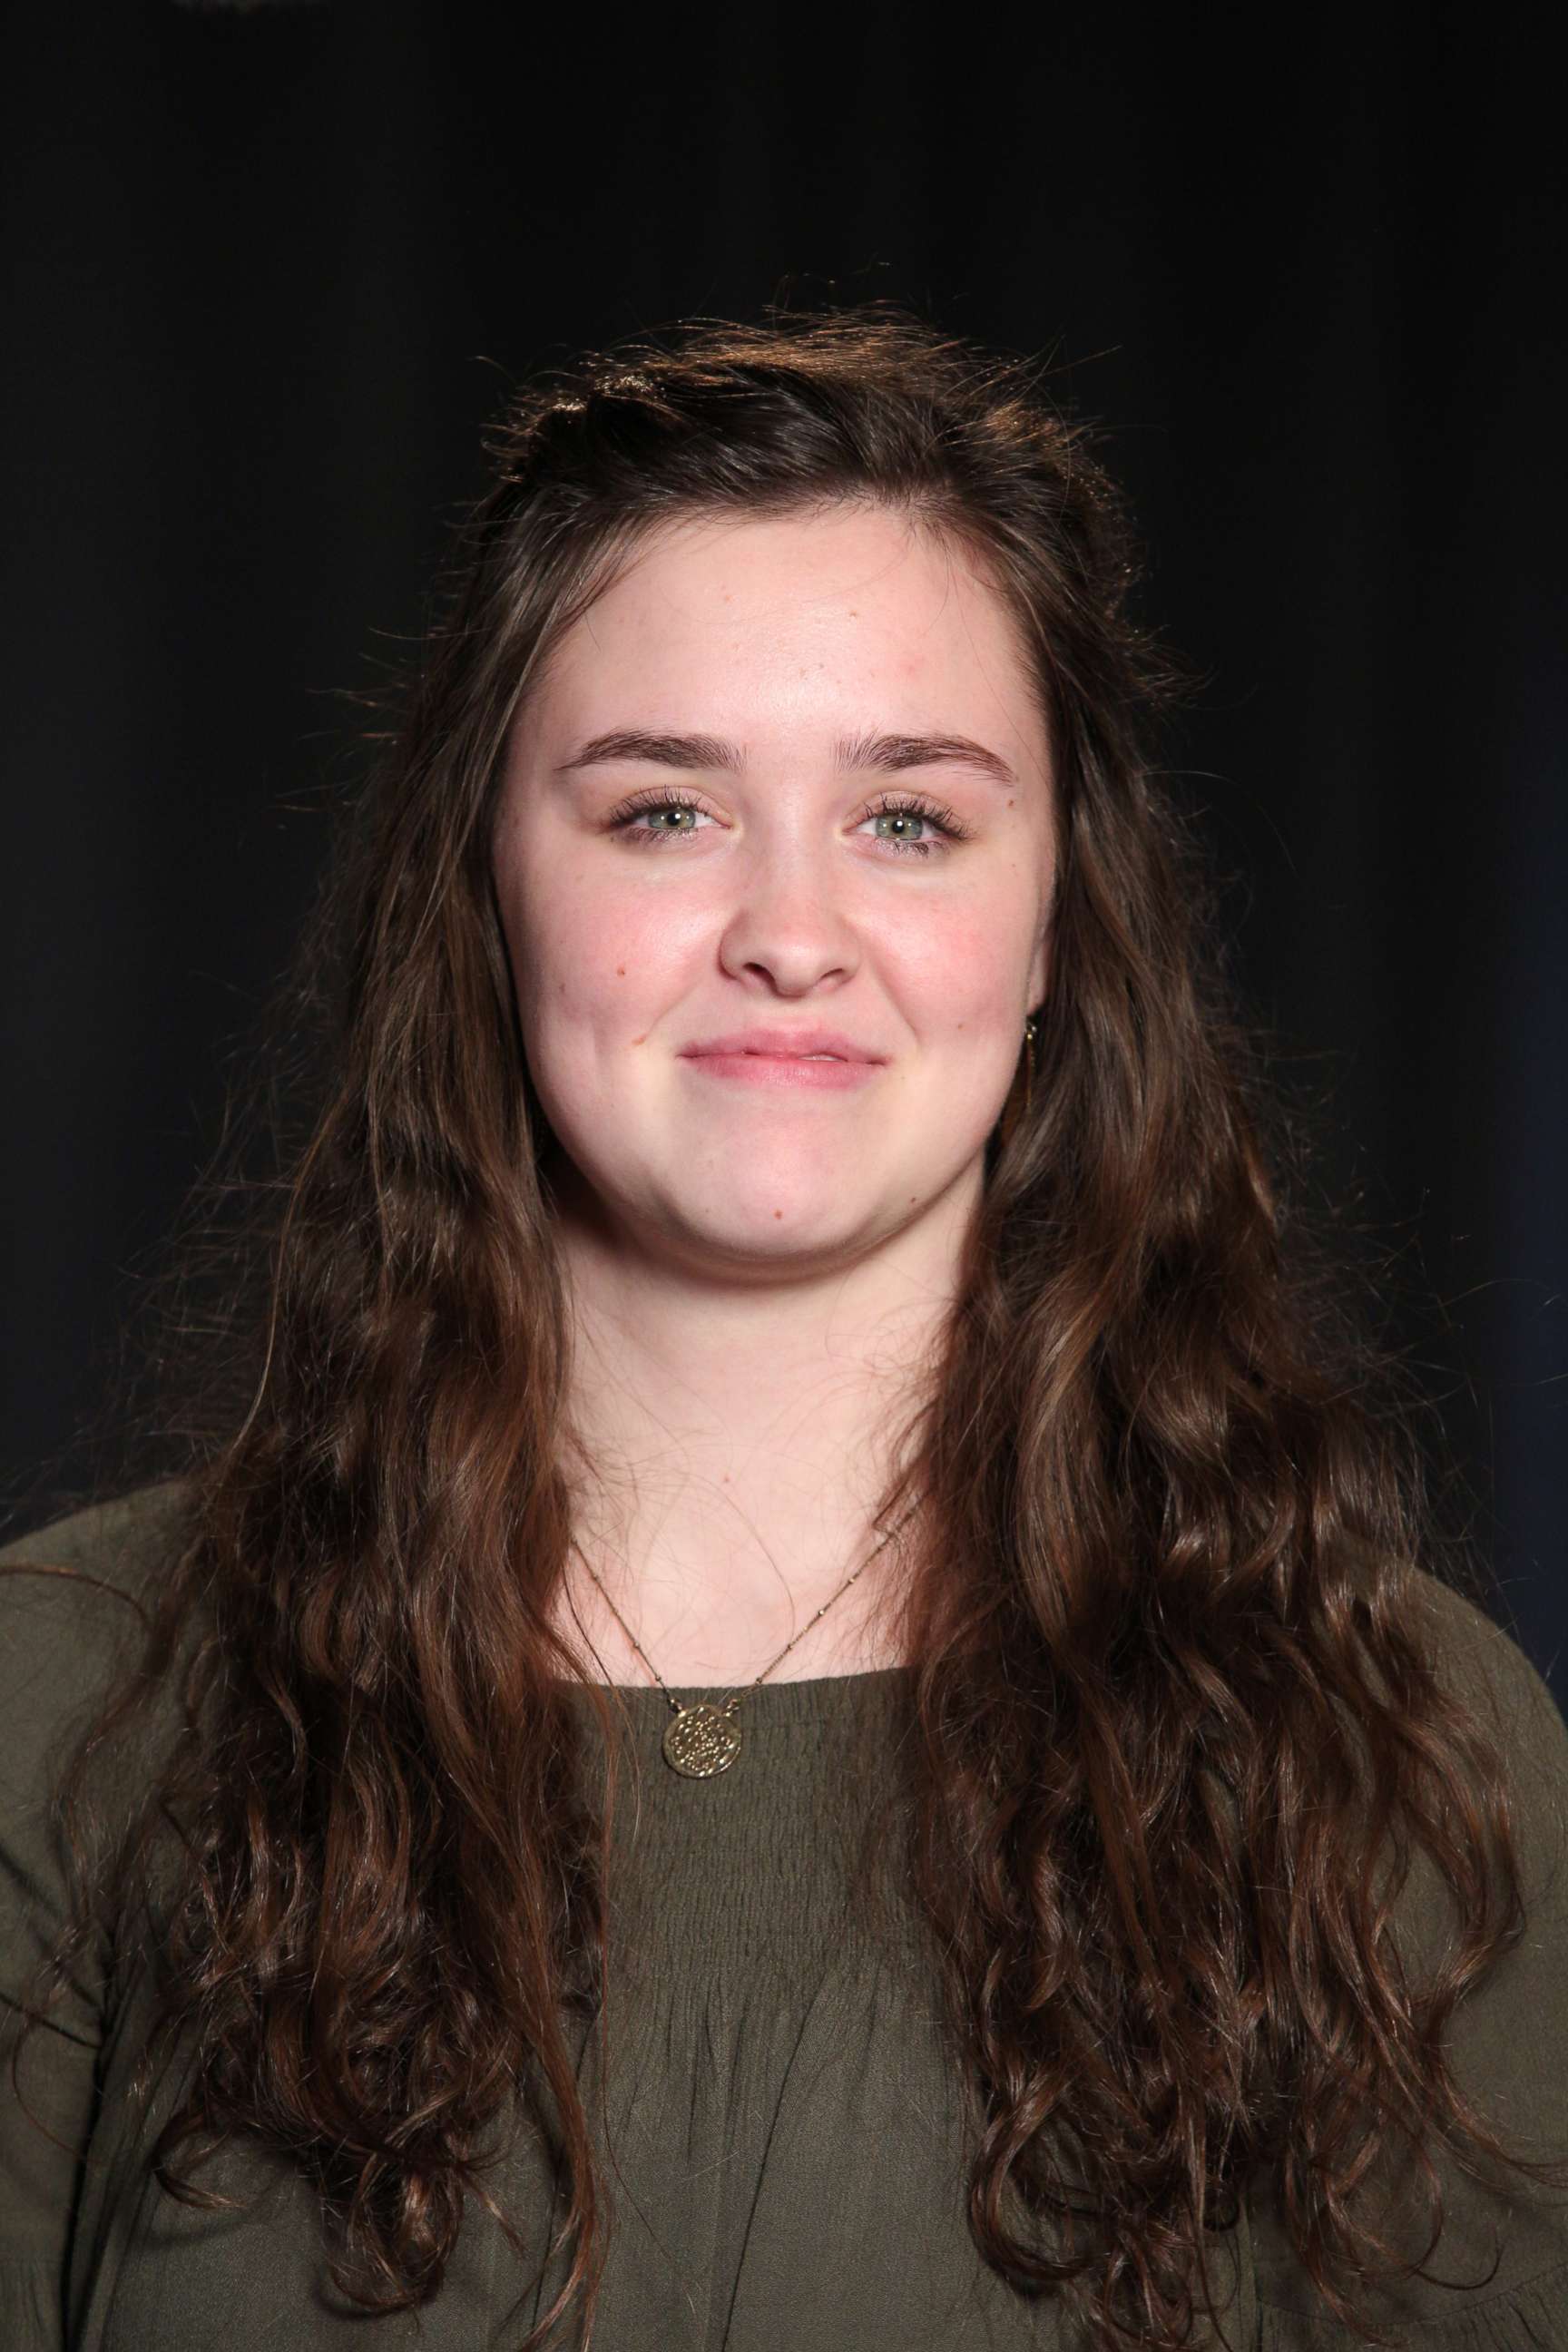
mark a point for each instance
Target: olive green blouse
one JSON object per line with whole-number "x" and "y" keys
{"x": 783, "y": 2143}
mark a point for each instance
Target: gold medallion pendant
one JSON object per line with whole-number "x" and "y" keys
{"x": 702, "y": 1741}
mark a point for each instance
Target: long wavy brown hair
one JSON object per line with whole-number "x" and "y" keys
{"x": 1172, "y": 1709}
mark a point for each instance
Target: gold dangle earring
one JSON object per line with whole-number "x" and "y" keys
{"x": 1029, "y": 1063}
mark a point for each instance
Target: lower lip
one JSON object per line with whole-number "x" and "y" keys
{"x": 783, "y": 1070}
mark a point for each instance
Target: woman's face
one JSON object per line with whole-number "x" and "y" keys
{"x": 767, "y": 881}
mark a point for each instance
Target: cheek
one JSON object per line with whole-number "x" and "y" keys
{"x": 962, "y": 974}
{"x": 591, "y": 960}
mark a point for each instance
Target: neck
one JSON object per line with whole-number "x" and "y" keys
{"x": 730, "y": 1445}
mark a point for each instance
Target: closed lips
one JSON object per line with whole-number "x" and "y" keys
{"x": 808, "y": 1045}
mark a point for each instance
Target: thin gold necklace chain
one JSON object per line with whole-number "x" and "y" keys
{"x": 736, "y": 1697}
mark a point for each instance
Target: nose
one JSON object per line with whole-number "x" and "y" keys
{"x": 786, "y": 926}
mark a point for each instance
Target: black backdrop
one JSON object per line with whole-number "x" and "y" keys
{"x": 269, "y": 268}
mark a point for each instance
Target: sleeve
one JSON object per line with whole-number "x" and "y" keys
{"x": 62, "y": 1639}
{"x": 1498, "y": 2276}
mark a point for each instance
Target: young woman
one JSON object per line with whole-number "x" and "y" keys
{"x": 808, "y": 1700}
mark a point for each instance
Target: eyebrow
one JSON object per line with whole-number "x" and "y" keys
{"x": 888, "y": 753}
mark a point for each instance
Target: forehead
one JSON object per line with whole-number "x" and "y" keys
{"x": 777, "y": 615}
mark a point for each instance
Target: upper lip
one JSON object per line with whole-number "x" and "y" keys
{"x": 784, "y": 1043}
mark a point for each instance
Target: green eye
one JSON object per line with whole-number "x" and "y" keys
{"x": 653, "y": 803}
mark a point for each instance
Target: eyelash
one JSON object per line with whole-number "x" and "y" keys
{"x": 885, "y": 805}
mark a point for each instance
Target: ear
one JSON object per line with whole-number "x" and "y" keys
{"x": 1039, "y": 971}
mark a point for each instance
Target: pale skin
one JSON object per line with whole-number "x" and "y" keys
{"x": 755, "y": 1271}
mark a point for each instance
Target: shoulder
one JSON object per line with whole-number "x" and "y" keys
{"x": 73, "y": 1601}
{"x": 1477, "y": 1662}
{"x": 1487, "y": 1658}
{"x": 121, "y": 1540}
{"x": 1504, "y": 2248}
{"x": 1483, "y": 1664}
